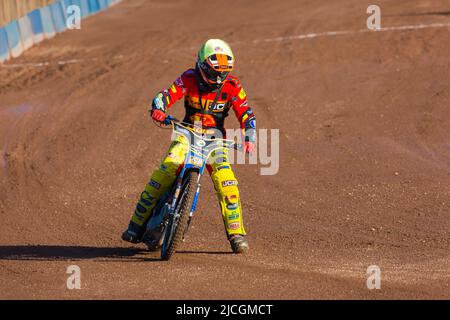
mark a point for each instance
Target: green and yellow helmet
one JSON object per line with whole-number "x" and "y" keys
{"x": 215, "y": 60}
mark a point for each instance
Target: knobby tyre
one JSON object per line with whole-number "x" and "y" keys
{"x": 176, "y": 227}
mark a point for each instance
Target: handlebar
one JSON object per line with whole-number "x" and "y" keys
{"x": 169, "y": 119}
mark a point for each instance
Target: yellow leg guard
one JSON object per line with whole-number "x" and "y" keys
{"x": 160, "y": 181}
{"x": 225, "y": 184}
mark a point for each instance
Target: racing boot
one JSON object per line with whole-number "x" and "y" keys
{"x": 238, "y": 243}
{"x": 134, "y": 233}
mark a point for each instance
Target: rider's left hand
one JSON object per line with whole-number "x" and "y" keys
{"x": 249, "y": 147}
{"x": 158, "y": 115}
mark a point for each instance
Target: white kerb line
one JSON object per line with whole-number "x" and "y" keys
{"x": 351, "y": 32}
{"x": 277, "y": 39}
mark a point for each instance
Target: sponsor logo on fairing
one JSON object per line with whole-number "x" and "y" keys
{"x": 196, "y": 161}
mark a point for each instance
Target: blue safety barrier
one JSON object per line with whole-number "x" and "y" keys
{"x": 47, "y": 22}
{"x": 102, "y": 4}
{"x": 93, "y": 6}
{"x": 13, "y": 35}
{"x": 76, "y": 3}
{"x": 26, "y": 33}
{"x": 4, "y": 47}
{"x": 63, "y": 5}
{"x": 66, "y": 3}
{"x": 36, "y": 26}
{"x": 43, "y": 23}
{"x": 84, "y": 4}
{"x": 59, "y": 18}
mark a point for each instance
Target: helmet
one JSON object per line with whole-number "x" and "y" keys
{"x": 215, "y": 60}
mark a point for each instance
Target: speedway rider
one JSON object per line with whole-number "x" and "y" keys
{"x": 209, "y": 93}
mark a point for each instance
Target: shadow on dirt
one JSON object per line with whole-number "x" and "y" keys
{"x": 57, "y": 253}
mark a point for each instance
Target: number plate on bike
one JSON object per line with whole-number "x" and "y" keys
{"x": 196, "y": 161}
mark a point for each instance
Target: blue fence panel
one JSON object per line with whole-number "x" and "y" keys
{"x": 59, "y": 19}
{"x": 36, "y": 26}
{"x": 66, "y": 3}
{"x": 93, "y": 6}
{"x": 14, "y": 41}
{"x": 4, "y": 47}
{"x": 26, "y": 33}
{"x": 47, "y": 22}
{"x": 43, "y": 23}
{"x": 84, "y": 4}
{"x": 102, "y": 4}
{"x": 76, "y": 2}
{"x": 64, "y": 6}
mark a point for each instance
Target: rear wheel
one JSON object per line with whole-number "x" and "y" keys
{"x": 178, "y": 221}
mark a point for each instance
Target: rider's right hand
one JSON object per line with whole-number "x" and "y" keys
{"x": 158, "y": 115}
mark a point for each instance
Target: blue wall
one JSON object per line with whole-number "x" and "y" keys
{"x": 42, "y": 24}
{"x": 26, "y": 32}
{"x": 36, "y": 26}
{"x": 94, "y": 6}
{"x": 13, "y": 35}
{"x": 4, "y": 47}
{"x": 59, "y": 18}
{"x": 47, "y": 22}
{"x": 84, "y": 4}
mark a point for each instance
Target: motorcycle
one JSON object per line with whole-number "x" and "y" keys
{"x": 172, "y": 215}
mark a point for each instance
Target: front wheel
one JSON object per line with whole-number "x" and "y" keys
{"x": 178, "y": 221}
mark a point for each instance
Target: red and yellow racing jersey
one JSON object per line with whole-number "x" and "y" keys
{"x": 200, "y": 106}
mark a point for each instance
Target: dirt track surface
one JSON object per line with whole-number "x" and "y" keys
{"x": 364, "y": 145}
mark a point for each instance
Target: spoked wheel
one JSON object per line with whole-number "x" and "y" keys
{"x": 177, "y": 223}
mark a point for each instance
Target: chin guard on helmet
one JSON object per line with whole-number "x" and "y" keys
{"x": 215, "y": 61}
